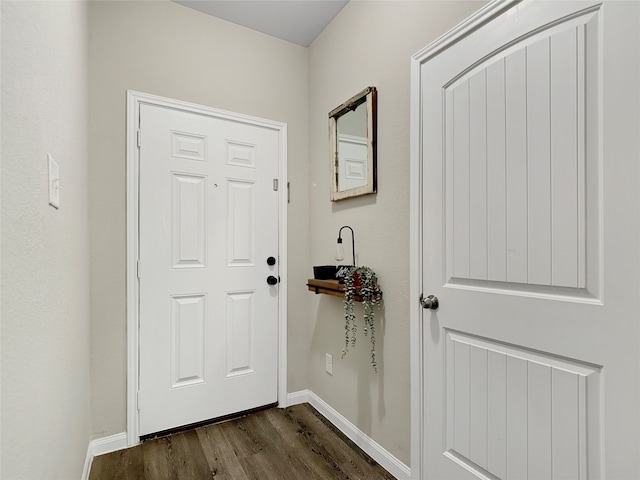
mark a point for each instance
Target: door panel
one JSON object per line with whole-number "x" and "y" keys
{"x": 241, "y": 239}
{"x": 188, "y": 314}
{"x": 240, "y": 333}
{"x": 540, "y": 403}
{"x": 188, "y": 220}
{"x": 524, "y": 200}
{"x": 208, "y": 222}
{"x": 524, "y": 110}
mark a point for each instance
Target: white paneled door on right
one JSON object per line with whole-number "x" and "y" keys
{"x": 208, "y": 225}
{"x": 529, "y": 129}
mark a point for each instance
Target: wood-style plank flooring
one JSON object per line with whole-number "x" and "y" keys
{"x": 291, "y": 443}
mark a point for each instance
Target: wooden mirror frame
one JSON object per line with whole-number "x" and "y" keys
{"x": 369, "y": 96}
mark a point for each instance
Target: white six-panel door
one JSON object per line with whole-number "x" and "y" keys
{"x": 208, "y": 223}
{"x": 529, "y": 238}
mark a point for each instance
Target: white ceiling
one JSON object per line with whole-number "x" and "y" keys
{"x": 297, "y": 21}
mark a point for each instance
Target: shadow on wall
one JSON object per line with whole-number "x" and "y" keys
{"x": 367, "y": 378}
{"x": 354, "y": 370}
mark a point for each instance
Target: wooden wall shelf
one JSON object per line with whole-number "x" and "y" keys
{"x": 328, "y": 287}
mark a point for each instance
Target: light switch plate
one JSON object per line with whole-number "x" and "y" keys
{"x": 54, "y": 182}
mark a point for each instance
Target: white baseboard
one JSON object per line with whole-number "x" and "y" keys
{"x": 357, "y": 436}
{"x": 100, "y": 446}
{"x": 296, "y": 398}
{"x": 87, "y": 463}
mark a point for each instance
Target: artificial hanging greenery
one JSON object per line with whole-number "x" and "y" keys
{"x": 362, "y": 281}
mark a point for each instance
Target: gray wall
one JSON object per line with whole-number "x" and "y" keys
{"x": 369, "y": 43}
{"x": 166, "y": 49}
{"x": 45, "y": 252}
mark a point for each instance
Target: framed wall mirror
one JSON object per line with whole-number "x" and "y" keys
{"x": 352, "y": 142}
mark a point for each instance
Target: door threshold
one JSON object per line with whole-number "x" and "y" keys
{"x": 204, "y": 423}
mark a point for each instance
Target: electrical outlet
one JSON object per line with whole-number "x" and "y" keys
{"x": 328, "y": 364}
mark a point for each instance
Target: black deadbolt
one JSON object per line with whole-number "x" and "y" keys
{"x": 271, "y": 280}
{"x": 271, "y": 261}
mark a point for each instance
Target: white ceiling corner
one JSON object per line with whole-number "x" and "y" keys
{"x": 296, "y": 21}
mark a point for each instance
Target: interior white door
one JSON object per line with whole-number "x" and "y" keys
{"x": 529, "y": 146}
{"x": 208, "y": 224}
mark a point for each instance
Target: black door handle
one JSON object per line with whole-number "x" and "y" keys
{"x": 271, "y": 261}
{"x": 271, "y": 280}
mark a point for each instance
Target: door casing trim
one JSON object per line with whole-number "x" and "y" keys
{"x": 475, "y": 21}
{"x": 134, "y": 101}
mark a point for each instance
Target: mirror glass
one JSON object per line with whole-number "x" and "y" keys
{"x": 352, "y": 134}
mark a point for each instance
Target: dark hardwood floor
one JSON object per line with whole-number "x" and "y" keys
{"x": 292, "y": 443}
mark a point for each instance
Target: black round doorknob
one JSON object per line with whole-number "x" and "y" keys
{"x": 271, "y": 280}
{"x": 271, "y": 261}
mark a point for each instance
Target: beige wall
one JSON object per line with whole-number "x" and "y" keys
{"x": 45, "y": 252}
{"x": 369, "y": 43}
{"x": 166, "y": 49}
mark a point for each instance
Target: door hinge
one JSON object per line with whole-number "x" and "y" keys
{"x": 138, "y": 138}
{"x": 275, "y": 184}
{"x": 138, "y": 269}
{"x": 138, "y": 400}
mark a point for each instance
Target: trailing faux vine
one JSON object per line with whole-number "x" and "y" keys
{"x": 371, "y": 295}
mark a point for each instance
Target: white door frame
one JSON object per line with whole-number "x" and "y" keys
{"x": 482, "y": 16}
{"x": 134, "y": 100}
